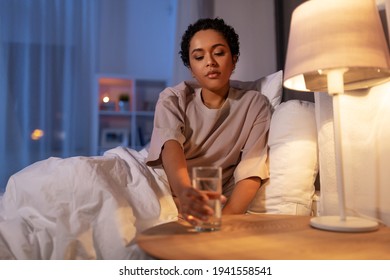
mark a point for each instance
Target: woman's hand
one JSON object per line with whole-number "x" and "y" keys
{"x": 193, "y": 206}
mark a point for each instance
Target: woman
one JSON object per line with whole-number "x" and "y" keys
{"x": 211, "y": 125}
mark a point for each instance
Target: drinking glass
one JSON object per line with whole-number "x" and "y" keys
{"x": 208, "y": 180}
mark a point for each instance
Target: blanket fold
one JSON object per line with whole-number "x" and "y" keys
{"x": 83, "y": 207}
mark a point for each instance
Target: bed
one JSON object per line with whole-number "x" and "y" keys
{"x": 94, "y": 207}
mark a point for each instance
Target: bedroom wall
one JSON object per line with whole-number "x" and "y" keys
{"x": 136, "y": 37}
{"x": 129, "y": 44}
{"x": 263, "y": 27}
{"x": 254, "y": 21}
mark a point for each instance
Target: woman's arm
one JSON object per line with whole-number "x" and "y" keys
{"x": 243, "y": 193}
{"x": 191, "y": 202}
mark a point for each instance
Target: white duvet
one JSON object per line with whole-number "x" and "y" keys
{"x": 83, "y": 207}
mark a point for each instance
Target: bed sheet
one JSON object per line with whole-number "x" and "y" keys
{"x": 83, "y": 207}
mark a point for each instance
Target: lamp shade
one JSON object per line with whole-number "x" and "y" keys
{"x": 329, "y": 35}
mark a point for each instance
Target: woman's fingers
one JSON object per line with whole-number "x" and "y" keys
{"x": 194, "y": 206}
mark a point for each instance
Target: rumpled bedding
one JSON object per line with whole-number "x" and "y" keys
{"x": 83, "y": 207}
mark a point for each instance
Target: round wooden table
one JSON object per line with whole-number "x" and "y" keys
{"x": 263, "y": 236}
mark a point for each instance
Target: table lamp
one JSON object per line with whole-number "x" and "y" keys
{"x": 337, "y": 45}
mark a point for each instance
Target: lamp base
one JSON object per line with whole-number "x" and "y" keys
{"x": 350, "y": 224}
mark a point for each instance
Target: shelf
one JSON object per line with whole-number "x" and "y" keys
{"x": 132, "y": 126}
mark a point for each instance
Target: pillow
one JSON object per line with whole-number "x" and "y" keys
{"x": 270, "y": 86}
{"x": 293, "y": 161}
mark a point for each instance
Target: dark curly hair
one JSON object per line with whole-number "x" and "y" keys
{"x": 216, "y": 24}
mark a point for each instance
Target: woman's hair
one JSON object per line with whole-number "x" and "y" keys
{"x": 216, "y": 24}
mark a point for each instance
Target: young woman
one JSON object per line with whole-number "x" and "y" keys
{"x": 213, "y": 124}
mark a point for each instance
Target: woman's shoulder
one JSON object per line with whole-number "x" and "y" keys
{"x": 179, "y": 95}
{"x": 178, "y": 91}
{"x": 253, "y": 101}
{"x": 249, "y": 95}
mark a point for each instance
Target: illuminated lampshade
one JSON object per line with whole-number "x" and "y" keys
{"x": 337, "y": 45}
{"x": 336, "y": 34}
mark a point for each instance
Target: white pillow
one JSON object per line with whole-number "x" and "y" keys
{"x": 270, "y": 86}
{"x": 293, "y": 161}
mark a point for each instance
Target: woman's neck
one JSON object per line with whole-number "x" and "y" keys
{"x": 214, "y": 99}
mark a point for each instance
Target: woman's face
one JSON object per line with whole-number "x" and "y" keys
{"x": 211, "y": 61}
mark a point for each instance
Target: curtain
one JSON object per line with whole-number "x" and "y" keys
{"x": 47, "y": 63}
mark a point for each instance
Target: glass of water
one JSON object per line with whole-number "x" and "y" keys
{"x": 208, "y": 179}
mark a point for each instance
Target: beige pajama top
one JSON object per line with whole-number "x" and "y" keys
{"x": 233, "y": 136}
